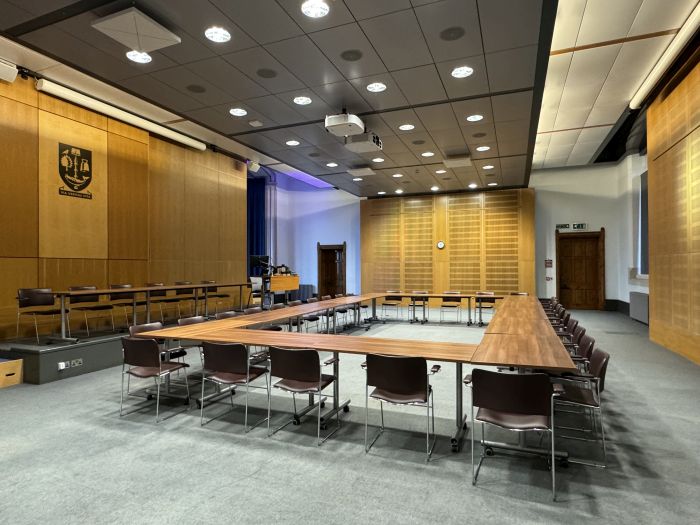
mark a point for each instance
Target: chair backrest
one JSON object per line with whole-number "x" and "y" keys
{"x": 210, "y": 289}
{"x": 141, "y": 352}
{"x": 579, "y": 332}
{"x": 252, "y": 310}
{"x": 191, "y": 320}
{"x": 397, "y": 374}
{"x": 278, "y": 306}
{"x": 34, "y": 297}
{"x": 83, "y": 298}
{"x": 147, "y": 327}
{"x": 294, "y": 303}
{"x": 519, "y": 293}
{"x": 296, "y": 364}
{"x": 516, "y": 393}
{"x": 338, "y": 295}
{"x": 451, "y": 299}
{"x": 421, "y": 291}
{"x": 225, "y": 357}
{"x": 393, "y": 297}
{"x": 312, "y": 300}
{"x": 184, "y": 291}
{"x": 227, "y": 315}
{"x": 571, "y": 325}
{"x": 565, "y": 319}
{"x": 599, "y": 366}
{"x": 256, "y": 284}
{"x": 482, "y": 293}
{"x": 326, "y": 298}
{"x": 156, "y": 293}
{"x": 121, "y": 296}
{"x": 585, "y": 347}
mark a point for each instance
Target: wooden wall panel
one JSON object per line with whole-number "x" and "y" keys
{"x": 60, "y": 273}
{"x": 489, "y": 242}
{"x": 167, "y": 209}
{"x": 128, "y": 198}
{"x": 120, "y": 271}
{"x": 15, "y": 273}
{"x": 674, "y": 217}
{"x": 65, "y": 109}
{"x": 19, "y": 165}
{"x": 20, "y": 90}
{"x": 201, "y": 212}
{"x": 233, "y": 233}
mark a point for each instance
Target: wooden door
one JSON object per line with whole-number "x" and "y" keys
{"x": 331, "y": 269}
{"x": 581, "y": 269}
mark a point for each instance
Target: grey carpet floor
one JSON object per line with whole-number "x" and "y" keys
{"x": 67, "y": 457}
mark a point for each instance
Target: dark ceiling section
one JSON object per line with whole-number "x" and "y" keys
{"x": 276, "y": 53}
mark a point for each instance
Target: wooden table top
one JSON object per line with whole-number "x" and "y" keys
{"x": 144, "y": 289}
{"x": 431, "y": 295}
{"x": 523, "y": 351}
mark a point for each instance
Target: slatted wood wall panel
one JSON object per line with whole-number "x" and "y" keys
{"x": 173, "y": 213}
{"x": 464, "y": 219}
{"x": 673, "y": 130}
{"x": 489, "y": 242}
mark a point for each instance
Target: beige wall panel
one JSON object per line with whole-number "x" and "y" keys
{"x": 127, "y": 131}
{"x": 201, "y": 226}
{"x": 128, "y": 198}
{"x": 127, "y": 272}
{"x": 167, "y": 209}
{"x": 65, "y": 109}
{"x": 20, "y": 90}
{"x": 19, "y": 172}
{"x": 68, "y": 226}
{"x": 15, "y": 273}
{"x": 59, "y": 273}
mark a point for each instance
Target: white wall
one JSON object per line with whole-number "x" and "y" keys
{"x": 604, "y": 196}
{"x": 327, "y": 216}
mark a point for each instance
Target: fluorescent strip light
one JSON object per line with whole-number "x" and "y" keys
{"x": 112, "y": 111}
{"x": 672, "y": 51}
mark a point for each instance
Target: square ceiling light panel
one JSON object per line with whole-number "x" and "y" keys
{"x": 136, "y": 31}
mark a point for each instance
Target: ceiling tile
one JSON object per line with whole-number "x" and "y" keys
{"x": 657, "y": 15}
{"x": 437, "y": 117}
{"x": 189, "y": 50}
{"x": 362, "y": 9}
{"x": 512, "y": 130}
{"x": 227, "y": 78}
{"x": 13, "y": 15}
{"x": 475, "y": 106}
{"x": 264, "y": 20}
{"x": 394, "y": 119}
{"x": 180, "y": 78}
{"x": 506, "y": 24}
{"x": 603, "y": 20}
{"x": 264, "y": 69}
{"x": 351, "y": 40}
{"x": 420, "y": 84}
{"x": 475, "y": 84}
{"x": 392, "y": 97}
{"x": 341, "y": 95}
{"x": 450, "y": 141}
{"x": 566, "y": 27}
{"x": 274, "y": 109}
{"x": 152, "y": 89}
{"x": 451, "y": 29}
{"x": 513, "y": 106}
{"x": 301, "y": 56}
{"x": 512, "y": 69}
{"x": 337, "y": 16}
{"x": 318, "y": 109}
{"x": 398, "y": 40}
{"x": 316, "y": 134}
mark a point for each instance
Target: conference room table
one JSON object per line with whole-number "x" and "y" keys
{"x": 64, "y": 295}
{"x": 532, "y": 350}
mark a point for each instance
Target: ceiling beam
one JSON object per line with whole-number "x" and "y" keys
{"x": 613, "y": 42}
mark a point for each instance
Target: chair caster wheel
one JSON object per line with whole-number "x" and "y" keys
{"x": 563, "y": 463}
{"x": 346, "y": 408}
{"x": 149, "y": 397}
{"x": 324, "y": 427}
{"x": 489, "y": 451}
{"x": 323, "y": 404}
{"x": 296, "y": 421}
{"x": 187, "y": 401}
{"x": 199, "y": 404}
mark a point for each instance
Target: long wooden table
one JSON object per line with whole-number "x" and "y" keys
{"x": 423, "y": 299}
{"x": 500, "y": 349}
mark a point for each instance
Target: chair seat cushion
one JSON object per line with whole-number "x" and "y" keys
{"x": 176, "y": 353}
{"x": 230, "y": 378}
{"x": 399, "y": 399}
{"x": 95, "y": 308}
{"x": 513, "y": 421}
{"x": 53, "y": 311}
{"x": 311, "y": 318}
{"x": 152, "y": 371}
{"x": 390, "y": 304}
{"x": 341, "y": 310}
{"x": 578, "y": 395}
{"x": 275, "y": 328}
{"x": 302, "y": 387}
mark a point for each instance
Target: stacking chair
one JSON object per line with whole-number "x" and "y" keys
{"x": 160, "y": 298}
{"x": 566, "y": 331}
{"x": 314, "y": 317}
{"x": 342, "y": 311}
{"x": 257, "y": 310}
{"x": 295, "y": 321}
{"x": 167, "y": 353}
{"x": 517, "y": 402}
{"x": 93, "y": 305}
{"x": 184, "y": 295}
{"x": 400, "y": 380}
{"x": 229, "y": 365}
{"x": 214, "y": 293}
{"x": 123, "y": 300}
{"x": 392, "y": 301}
{"x": 418, "y": 302}
{"x": 34, "y": 302}
{"x": 277, "y": 326}
{"x": 582, "y": 351}
{"x": 301, "y": 372}
{"x": 485, "y": 306}
{"x": 584, "y": 390}
{"x": 451, "y": 304}
{"x": 188, "y": 321}
{"x": 227, "y": 315}
{"x": 142, "y": 360}
{"x": 327, "y": 315}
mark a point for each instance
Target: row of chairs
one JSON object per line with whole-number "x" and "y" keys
{"x": 40, "y": 303}
{"x": 447, "y": 304}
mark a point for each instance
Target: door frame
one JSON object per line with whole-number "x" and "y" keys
{"x": 600, "y": 236}
{"x": 323, "y": 247}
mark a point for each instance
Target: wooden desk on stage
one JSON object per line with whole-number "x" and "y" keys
{"x": 284, "y": 283}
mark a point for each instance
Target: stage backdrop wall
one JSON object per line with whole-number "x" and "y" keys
{"x": 85, "y": 199}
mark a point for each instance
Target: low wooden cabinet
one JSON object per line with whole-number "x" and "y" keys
{"x": 10, "y": 372}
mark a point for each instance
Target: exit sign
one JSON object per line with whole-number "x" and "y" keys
{"x": 580, "y": 226}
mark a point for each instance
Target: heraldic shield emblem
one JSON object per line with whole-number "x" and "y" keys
{"x": 75, "y": 169}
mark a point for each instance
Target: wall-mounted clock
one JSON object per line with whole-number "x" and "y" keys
{"x": 440, "y": 245}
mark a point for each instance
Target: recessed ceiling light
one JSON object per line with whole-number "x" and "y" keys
{"x": 315, "y": 8}
{"x": 357, "y": 179}
{"x": 493, "y": 183}
{"x": 381, "y": 193}
{"x": 332, "y": 165}
{"x": 140, "y": 57}
{"x": 292, "y": 143}
{"x": 238, "y": 112}
{"x": 302, "y": 101}
{"x": 483, "y": 148}
{"x": 398, "y": 191}
{"x": 217, "y": 34}
{"x": 427, "y": 154}
{"x": 440, "y": 172}
{"x": 376, "y": 87}
{"x": 473, "y": 185}
{"x": 488, "y": 167}
{"x": 406, "y": 127}
{"x": 397, "y": 175}
{"x": 475, "y": 118}
{"x": 462, "y": 72}
{"x": 434, "y": 188}
{"x": 377, "y": 159}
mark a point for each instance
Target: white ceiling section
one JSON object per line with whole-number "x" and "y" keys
{"x": 276, "y": 54}
{"x": 588, "y": 89}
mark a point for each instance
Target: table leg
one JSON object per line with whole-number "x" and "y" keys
{"x": 481, "y": 321}
{"x": 62, "y": 299}
{"x": 337, "y": 405}
{"x": 196, "y": 301}
{"x": 469, "y": 310}
{"x": 425, "y": 319}
{"x": 374, "y": 308}
{"x": 240, "y": 297}
{"x": 334, "y": 319}
{"x": 298, "y": 323}
{"x": 133, "y": 309}
{"x": 460, "y": 416}
{"x": 206, "y": 303}
{"x": 148, "y": 306}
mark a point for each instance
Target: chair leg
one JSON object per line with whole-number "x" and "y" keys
{"x": 247, "y": 392}
{"x": 18, "y": 316}
{"x": 201, "y": 402}
{"x": 87, "y": 325}
{"x": 112, "y": 314}
{"x": 269, "y": 394}
{"x": 36, "y": 329}
{"x": 471, "y": 415}
{"x": 157, "y": 398}
{"x": 121, "y": 400}
{"x": 602, "y": 434}
{"x": 554, "y": 489}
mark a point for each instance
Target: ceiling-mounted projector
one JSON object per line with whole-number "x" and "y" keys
{"x": 365, "y": 143}
{"x": 8, "y": 71}
{"x": 344, "y": 125}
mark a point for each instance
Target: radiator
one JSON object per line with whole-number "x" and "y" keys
{"x": 639, "y": 307}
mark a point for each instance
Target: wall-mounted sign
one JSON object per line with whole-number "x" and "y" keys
{"x": 548, "y": 263}
{"x": 75, "y": 169}
{"x": 580, "y": 226}
{"x": 564, "y": 226}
